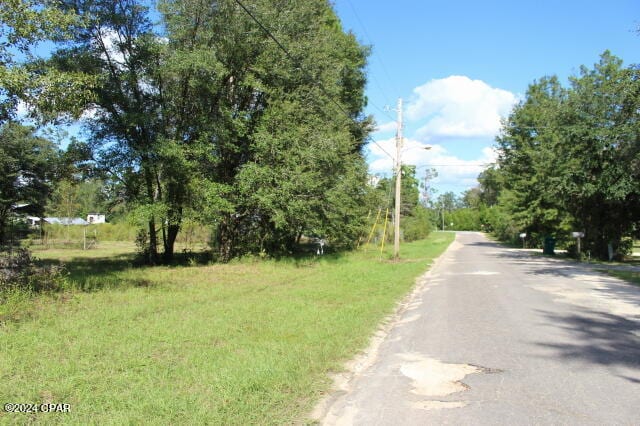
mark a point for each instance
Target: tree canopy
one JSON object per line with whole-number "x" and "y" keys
{"x": 44, "y": 90}
{"x": 28, "y": 165}
{"x": 569, "y": 158}
{"x": 253, "y": 128}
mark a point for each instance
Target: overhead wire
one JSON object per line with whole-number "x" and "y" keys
{"x": 370, "y": 41}
{"x": 384, "y": 112}
{"x": 297, "y": 64}
{"x": 295, "y": 61}
{"x": 377, "y": 82}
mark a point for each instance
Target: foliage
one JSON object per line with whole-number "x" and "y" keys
{"x": 569, "y": 160}
{"x": 28, "y": 164}
{"x": 465, "y": 219}
{"x": 416, "y": 220}
{"x": 23, "y": 76}
{"x": 287, "y": 162}
{"x": 20, "y": 272}
{"x": 497, "y": 220}
{"x": 212, "y": 119}
{"x": 65, "y": 200}
{"x": 417, "y": 226}
{"x": 491, "y": 183}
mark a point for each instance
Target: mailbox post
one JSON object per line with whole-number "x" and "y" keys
{"x": 577, "y": 236}
{"x": 522, "y": 237}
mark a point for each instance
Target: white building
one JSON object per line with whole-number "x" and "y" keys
{"x": 33, "y": 221}
{"x": 96, "y": 218}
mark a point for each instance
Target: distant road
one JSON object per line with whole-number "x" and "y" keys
{"x": 500, "y": 336}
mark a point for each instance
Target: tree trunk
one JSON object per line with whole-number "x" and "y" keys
{"x": 153, "y": 243}
{"x": 153, "y": 233}
{"x": 225, "y": 239}
{"x": 3, "y": 225}
{"x": 169, "y": 242}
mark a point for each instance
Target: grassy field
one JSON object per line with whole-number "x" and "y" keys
{"x": 249, "y": 342}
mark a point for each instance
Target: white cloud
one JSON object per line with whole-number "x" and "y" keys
{"x": 112, "y": 42}
{"x": 386, "y": 127}
{"x": 452, "y": 170}
{"x": 457, "y": 106}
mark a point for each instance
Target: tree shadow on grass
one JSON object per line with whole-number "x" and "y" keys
{"x": 308, "y": 260}
{"x": 599, "y": 338}
{"x": 95, "y": 273}
{"x": 88, "y": 274}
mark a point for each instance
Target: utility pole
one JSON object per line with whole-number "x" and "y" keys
{"x": 396, "y": 230}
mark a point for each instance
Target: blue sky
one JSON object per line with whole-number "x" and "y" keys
{"x": 460, "y": 65}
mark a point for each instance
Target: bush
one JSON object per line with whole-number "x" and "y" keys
{"x": 19, "y": 271}
{"x": 625, "y": 248}
{"x": 143, "y": 246}
{"x": 417, "y": 226}
{"x": 500, "y": 224}
{"x": 465, "y": 219}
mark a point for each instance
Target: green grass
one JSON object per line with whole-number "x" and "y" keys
{"x": 249, "y": 342}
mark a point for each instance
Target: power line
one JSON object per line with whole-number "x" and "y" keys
{"x": 366, "y": 33}
{"x": 297, "y": 64}
{"x": 383, "y": 111}
{"x": 370, "y": 139}
{"x": 295, "y": 61}
{"x": 370, "y": 41}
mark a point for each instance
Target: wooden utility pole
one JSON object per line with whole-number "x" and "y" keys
{"x": 396, "y": 220}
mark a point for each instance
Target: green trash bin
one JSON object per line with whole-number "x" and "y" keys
{"x": 549, "y": 245}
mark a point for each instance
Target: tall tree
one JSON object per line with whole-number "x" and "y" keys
{"x": 28, "y": 165}
{"x": 601, "y": 188}
{"x": 530, "y": 159}
{"x": 214, "y": 115}
{"x": 117, "y": 45}
{"x": 277, "y": 125}
{"x": 568, "y": 157}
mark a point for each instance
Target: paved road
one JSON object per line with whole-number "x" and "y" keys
{"x": 498, "y": 336}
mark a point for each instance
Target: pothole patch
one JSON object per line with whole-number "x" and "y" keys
{"x": 433, "y": 378}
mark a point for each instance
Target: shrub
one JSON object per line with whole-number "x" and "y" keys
{"x": 417, "y": 226}
{"x": 19, "y": 271}
{"x": 142, "y": 245}
{"x": 625, "y": 248}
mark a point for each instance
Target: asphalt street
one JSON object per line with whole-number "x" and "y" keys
{"x": 499, "y": 336}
